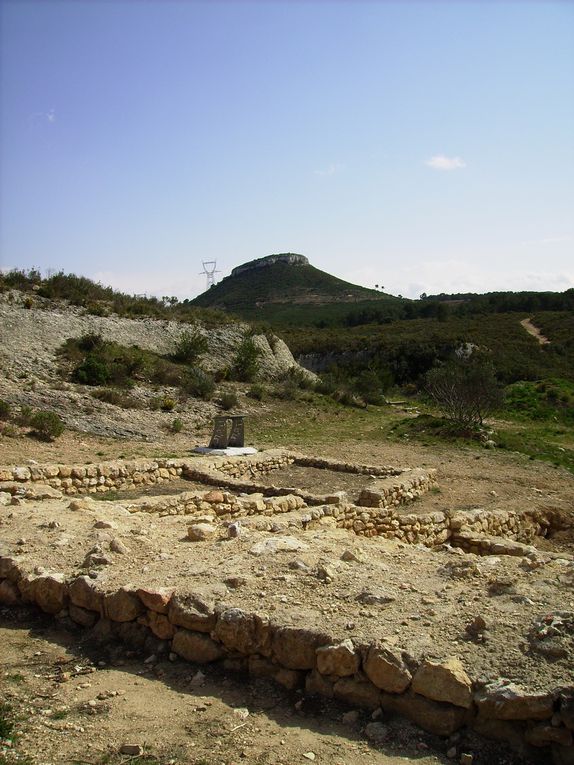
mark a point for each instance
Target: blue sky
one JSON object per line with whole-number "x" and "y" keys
{"x": 423, "y": 146}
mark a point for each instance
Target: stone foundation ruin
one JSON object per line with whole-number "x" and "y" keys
{"x": 358, "y": 650}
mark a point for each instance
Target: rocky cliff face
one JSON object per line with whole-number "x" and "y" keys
{"x": 290, "y": 258}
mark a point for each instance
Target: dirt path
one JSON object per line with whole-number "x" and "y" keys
{"x": 534, "y": 331}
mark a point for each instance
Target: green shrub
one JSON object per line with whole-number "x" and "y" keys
{"x": 47, "y": 425}
{"x": 92, "y": 371}
{"x": 89, "y": 342}
{"x": 25, "y": 415}
{"x": 166, "y": 373}
{"x": 199, "y": 383}
{"x": 9, "y": 431}
{"x": 190, "y": 346}
{"x": 245, "y": 365}
{"x": 168, "y": 404}
{"x": 5, "y": 410}
{"x": 117, "y": 398}
{"x": 286, "y": 389}
{"x": 229, "y": 400}
{"x": 257, "y": 391}
{"x": 177, "y": 425}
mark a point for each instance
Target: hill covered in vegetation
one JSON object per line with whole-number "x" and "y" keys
{"x": 265, "y": 287}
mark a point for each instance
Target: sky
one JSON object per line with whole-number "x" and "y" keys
{"x": 418, "y": 146}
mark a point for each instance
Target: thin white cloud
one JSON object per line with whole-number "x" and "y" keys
{"x": 441, "y": 162}
{"x": 547, "y": 240}
{"x": 331, "y": 169}
{"x": 40, "y": 118}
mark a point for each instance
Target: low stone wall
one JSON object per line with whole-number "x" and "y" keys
{"x": 439, "y": 696}
{"x": 252, "y": 465}
{"x": 100, "y": 478}
{"x": 347, "y": 467}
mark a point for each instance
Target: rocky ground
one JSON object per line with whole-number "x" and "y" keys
{"x": 422, "y": 601}
{"x": 80, "y": 704}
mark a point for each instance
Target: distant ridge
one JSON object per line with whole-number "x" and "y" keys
{"x": 284, "y": 278}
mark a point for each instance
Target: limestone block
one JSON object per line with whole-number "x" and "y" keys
{"x": 432, "y": 716}
{"x": 386, "y": 669}
{"x": 295, "y": 648}
{"x": 82, "y": 616}
{"x": 9, "y": 593}
{"x": 511, "y": 702}
{"x": 156, "y": 600}
{"x": 201, "y": 532}
{"x": 243, "y": 632}
{"x": 195, "y": 646}
{"x": 357, "y": 692}
{"x": 159, "y": 624}
{"x": 84, "y": 593}
{"x": 51, "y": 593}
{"x": 192, "y": 612}
{"x": 318, "y": 685}
{"x": 543, "y": 735}
{"x": 21, "y": 474}
{"x": 444, "y": 681}
{"x": 122, "y": 605}
{"x": 341, "y": 659}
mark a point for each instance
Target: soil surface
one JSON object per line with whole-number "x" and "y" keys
{"x": 77, "y": 704}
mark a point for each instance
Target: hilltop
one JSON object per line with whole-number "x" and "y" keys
{"x": 285, "y": 279}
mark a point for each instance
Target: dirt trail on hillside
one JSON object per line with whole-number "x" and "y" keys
{"x": 534, "y": 331}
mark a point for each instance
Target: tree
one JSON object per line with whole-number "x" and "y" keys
{"x": 466, "y": 390}
{"x": 246, "y": 362}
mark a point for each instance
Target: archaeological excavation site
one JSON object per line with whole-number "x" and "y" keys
{"x": 332, "y": 579}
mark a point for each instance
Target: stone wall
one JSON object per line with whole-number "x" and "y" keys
{"x": 379, "y": 511}
{"x": 100, "y": 478}
{"x": 437, "y": 695}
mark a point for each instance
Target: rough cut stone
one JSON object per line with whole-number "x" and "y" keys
{"x": 195, "y": 646}
{"x": 9, "y": 568}
{"x": 295, "y": 648}
{"x": 386, "y": 669}
{"x": 201, "y": 532}
{"x": 155, "y": 600}
{"x": 242, "y": 632}
{"x": 9, "y": 593}
{"x": 82, "y": 616}
{"x": 51, "y": 593}
{"x": 318, "y": 685}
{"x": 357, "y": 692}
{"x": 444, "y": 681}
{"x": 432, "y": 716}
{"x": 122, "y": 605}
{"x": 83, "y": 593}
{"x": 543, "y": 735}
{"x": 192, "y": 612}
{"x": 510, "y": 702}
{"x": 341, "y": 659}
{"x": 289, "y": 678}
{"x": 158, "y": 624}
{"x": 215, "y": 497}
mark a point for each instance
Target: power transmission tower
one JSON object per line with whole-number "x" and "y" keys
{"x": 209, "y": 269}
